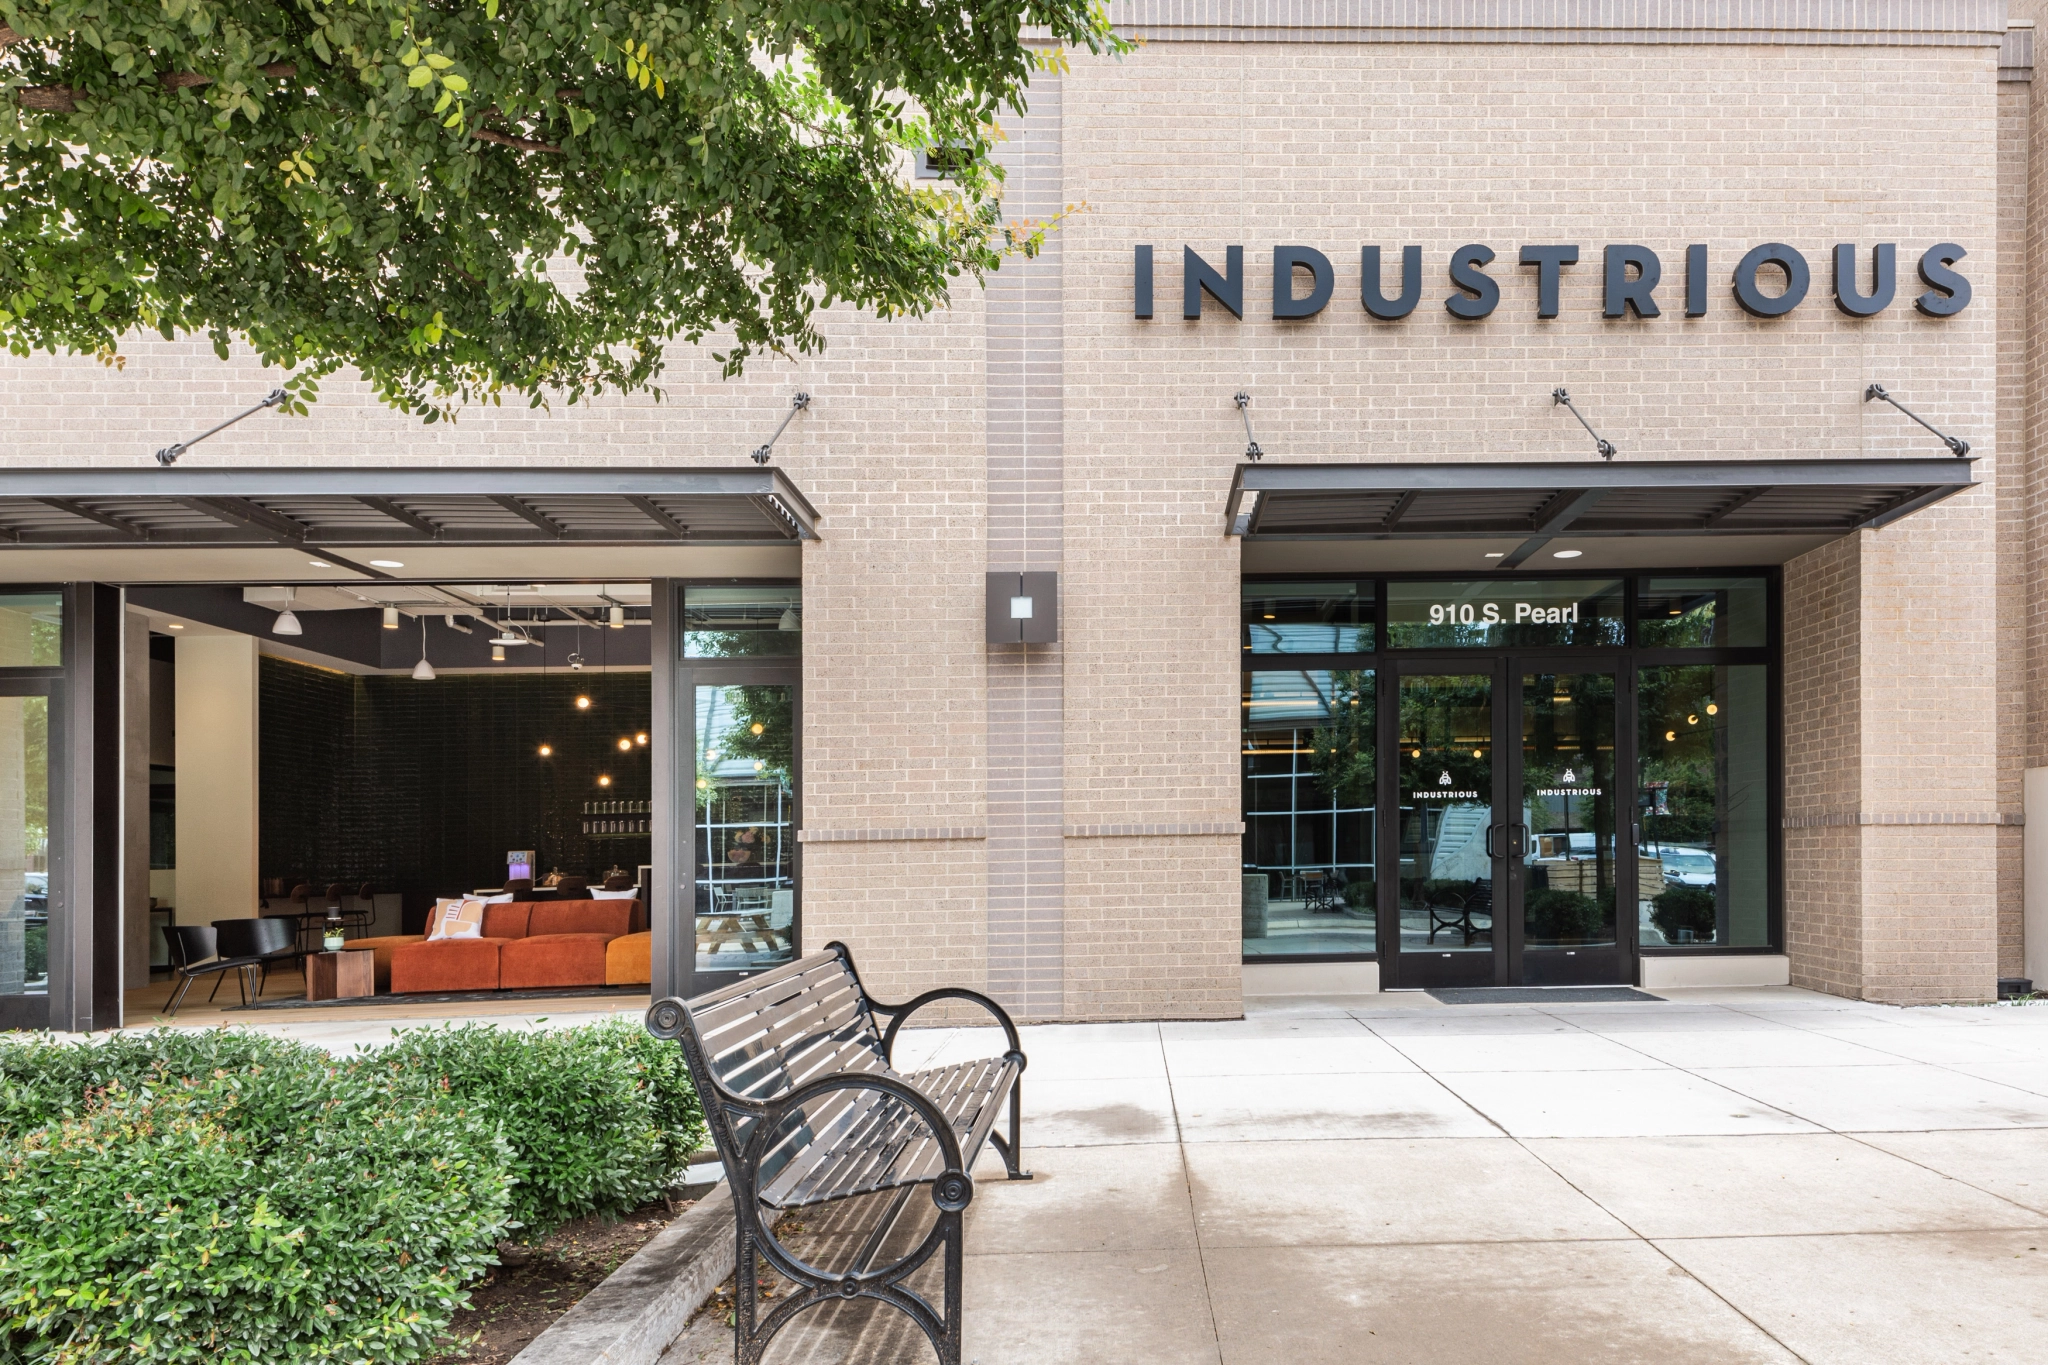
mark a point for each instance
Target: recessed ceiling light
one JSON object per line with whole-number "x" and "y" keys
{"x": 386, "y": 564}
{"x": 1496, "y": 554}
{"x": 175, "y": 625}
{"x": 1567, "y": 554}
{"x": 319, "y": 563}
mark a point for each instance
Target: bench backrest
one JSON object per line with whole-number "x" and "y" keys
{"x": 768, "y": 1034}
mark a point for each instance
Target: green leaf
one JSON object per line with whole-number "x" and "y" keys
{"x": 455, "y": 82}
{"x": 421, "y": 75}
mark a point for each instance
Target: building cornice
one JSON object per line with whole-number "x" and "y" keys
{"x": 1858, "y": 23}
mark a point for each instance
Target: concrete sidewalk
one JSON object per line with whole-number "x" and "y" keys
{"x": 1724, "y": 1176}
{"x": 1728, "y": 1176}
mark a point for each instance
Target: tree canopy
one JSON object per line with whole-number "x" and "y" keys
{"x": 462, "y": 198}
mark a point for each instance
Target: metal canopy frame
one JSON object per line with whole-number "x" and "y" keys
{"x": 346, "y": 506}
{"x": 1540, "y": 501}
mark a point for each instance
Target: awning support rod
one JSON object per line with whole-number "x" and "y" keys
{"x": 797, "y": 403}
{"x": 170, "y": 453}
{"x": 1957, "y": 446}
{"x": 1251, "y": 446}
{"x": 1605, "y": 448}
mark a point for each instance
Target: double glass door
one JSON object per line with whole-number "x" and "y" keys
{"x": 1504, "y": 822}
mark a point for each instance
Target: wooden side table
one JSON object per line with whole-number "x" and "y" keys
{"x": 349, "y": 974}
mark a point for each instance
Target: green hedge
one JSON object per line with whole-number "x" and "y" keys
{"x": 226, "y": 1196}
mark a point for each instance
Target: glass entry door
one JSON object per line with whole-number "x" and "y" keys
{"x": 1567, "y": 884}
{"x": 1504, "y": 814}
{"x": 1448, "y": 889}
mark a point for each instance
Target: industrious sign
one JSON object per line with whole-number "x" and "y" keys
{"x": 1768, "y": 282}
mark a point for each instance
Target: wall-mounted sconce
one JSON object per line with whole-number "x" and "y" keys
{"x": 1023, "y": 608}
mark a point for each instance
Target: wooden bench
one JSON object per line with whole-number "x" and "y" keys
{"x": 807, "y": 1108}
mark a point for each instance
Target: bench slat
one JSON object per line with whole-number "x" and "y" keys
{"x": 879, "y": 1143}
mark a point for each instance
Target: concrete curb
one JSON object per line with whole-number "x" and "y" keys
{"x": 641, "y": 1307}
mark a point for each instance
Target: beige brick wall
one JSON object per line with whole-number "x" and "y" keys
{"x": 1912, "y": 685}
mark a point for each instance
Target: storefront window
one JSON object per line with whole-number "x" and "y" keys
{"x": 1700, "y": 613}
{"x": 31, "y": 630}
{"x": 1489, "y": 613}
{"x": 1309, "y": 774}
{"x": 745, "y": 826}
{"x": 1308, "y": 618}
{"x": 24, "y": 845}
{"x": 1702, "y": 798}
{"x": 742, "y": 622}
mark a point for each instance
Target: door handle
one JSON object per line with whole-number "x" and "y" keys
{"x": 1518, "y": 840}
{"x": 1491, "y": 831}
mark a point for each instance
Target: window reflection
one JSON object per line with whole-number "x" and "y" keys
{"x": 745, "y": 826}
{"x": 1700, "y": 613}
{"x": 742, "y": 622}
{"x": 24, "y": 845}
{"x": 1702, "y": 799}
{"x": 1308, "y": 618}
{"x": 1309, "y": 772}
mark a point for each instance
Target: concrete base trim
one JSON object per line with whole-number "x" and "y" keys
{"x": 1748, "y": 969}
{"x": 1311, "y": 978}
{"x": 632, "y": 1317}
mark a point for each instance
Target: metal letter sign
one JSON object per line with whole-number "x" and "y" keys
{"x": 1628, "y": 287}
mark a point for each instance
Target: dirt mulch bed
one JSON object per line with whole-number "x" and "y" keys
{"x": 516, "y": 1303}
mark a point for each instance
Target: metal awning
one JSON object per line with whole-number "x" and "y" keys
{"x": 356, "y": 506}
{"x": 1789, "y": 502}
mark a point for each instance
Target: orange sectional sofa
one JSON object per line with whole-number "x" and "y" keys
{"x": 524, "y": 945}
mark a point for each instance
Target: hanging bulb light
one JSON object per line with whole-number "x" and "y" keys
{"x": 423, "y": 671}
{"x": 1712, "y": 709}
{"x": 640, "y": 738}
{"x": 287, "y": 622}
{"x": 547, "y": 751}
{"x": 497, "y": 653}
{"x": 789, "y": 619}
{"x": 617, "y": 618}
{"x": 604, "y": 779}
{"x": 625, "y": 745}
{"x": 391, "y": 618}
{"x": 576, "y": 662}
{"x": 583, "y": 703}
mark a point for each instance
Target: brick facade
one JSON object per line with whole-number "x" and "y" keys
{"x": 1060, "y": 823}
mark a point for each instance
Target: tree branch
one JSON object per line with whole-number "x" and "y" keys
{"x": 186, "y": 80}
{"x": 48, "y": 99}
{"x": 522, "y": 144}
{"x": 63, "y": 99}
{"x": 8, "y": 37}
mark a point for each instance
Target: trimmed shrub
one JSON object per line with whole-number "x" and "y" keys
{"x": 1684, "y": 908}
{"x": 225, "y": 1196}
{"x": 599, "y": 1119}
{"x": 43, "y": 1080}
{"x": 289, "y": 1210}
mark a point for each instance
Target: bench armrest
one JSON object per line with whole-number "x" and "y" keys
{"x": 896, "y": 1014}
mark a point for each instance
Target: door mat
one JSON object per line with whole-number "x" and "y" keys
{"x": 299, "y": 1002}
{"x": 1537, "y": 995}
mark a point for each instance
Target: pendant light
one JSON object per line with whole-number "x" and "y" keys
{"x": 618, "y": 618}
{"x": 423, "y": 671}
{"x": 287, "y": 622}
{"x": 391, "y": 618}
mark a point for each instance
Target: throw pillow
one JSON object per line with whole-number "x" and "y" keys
{"x": 457, "y": 919}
